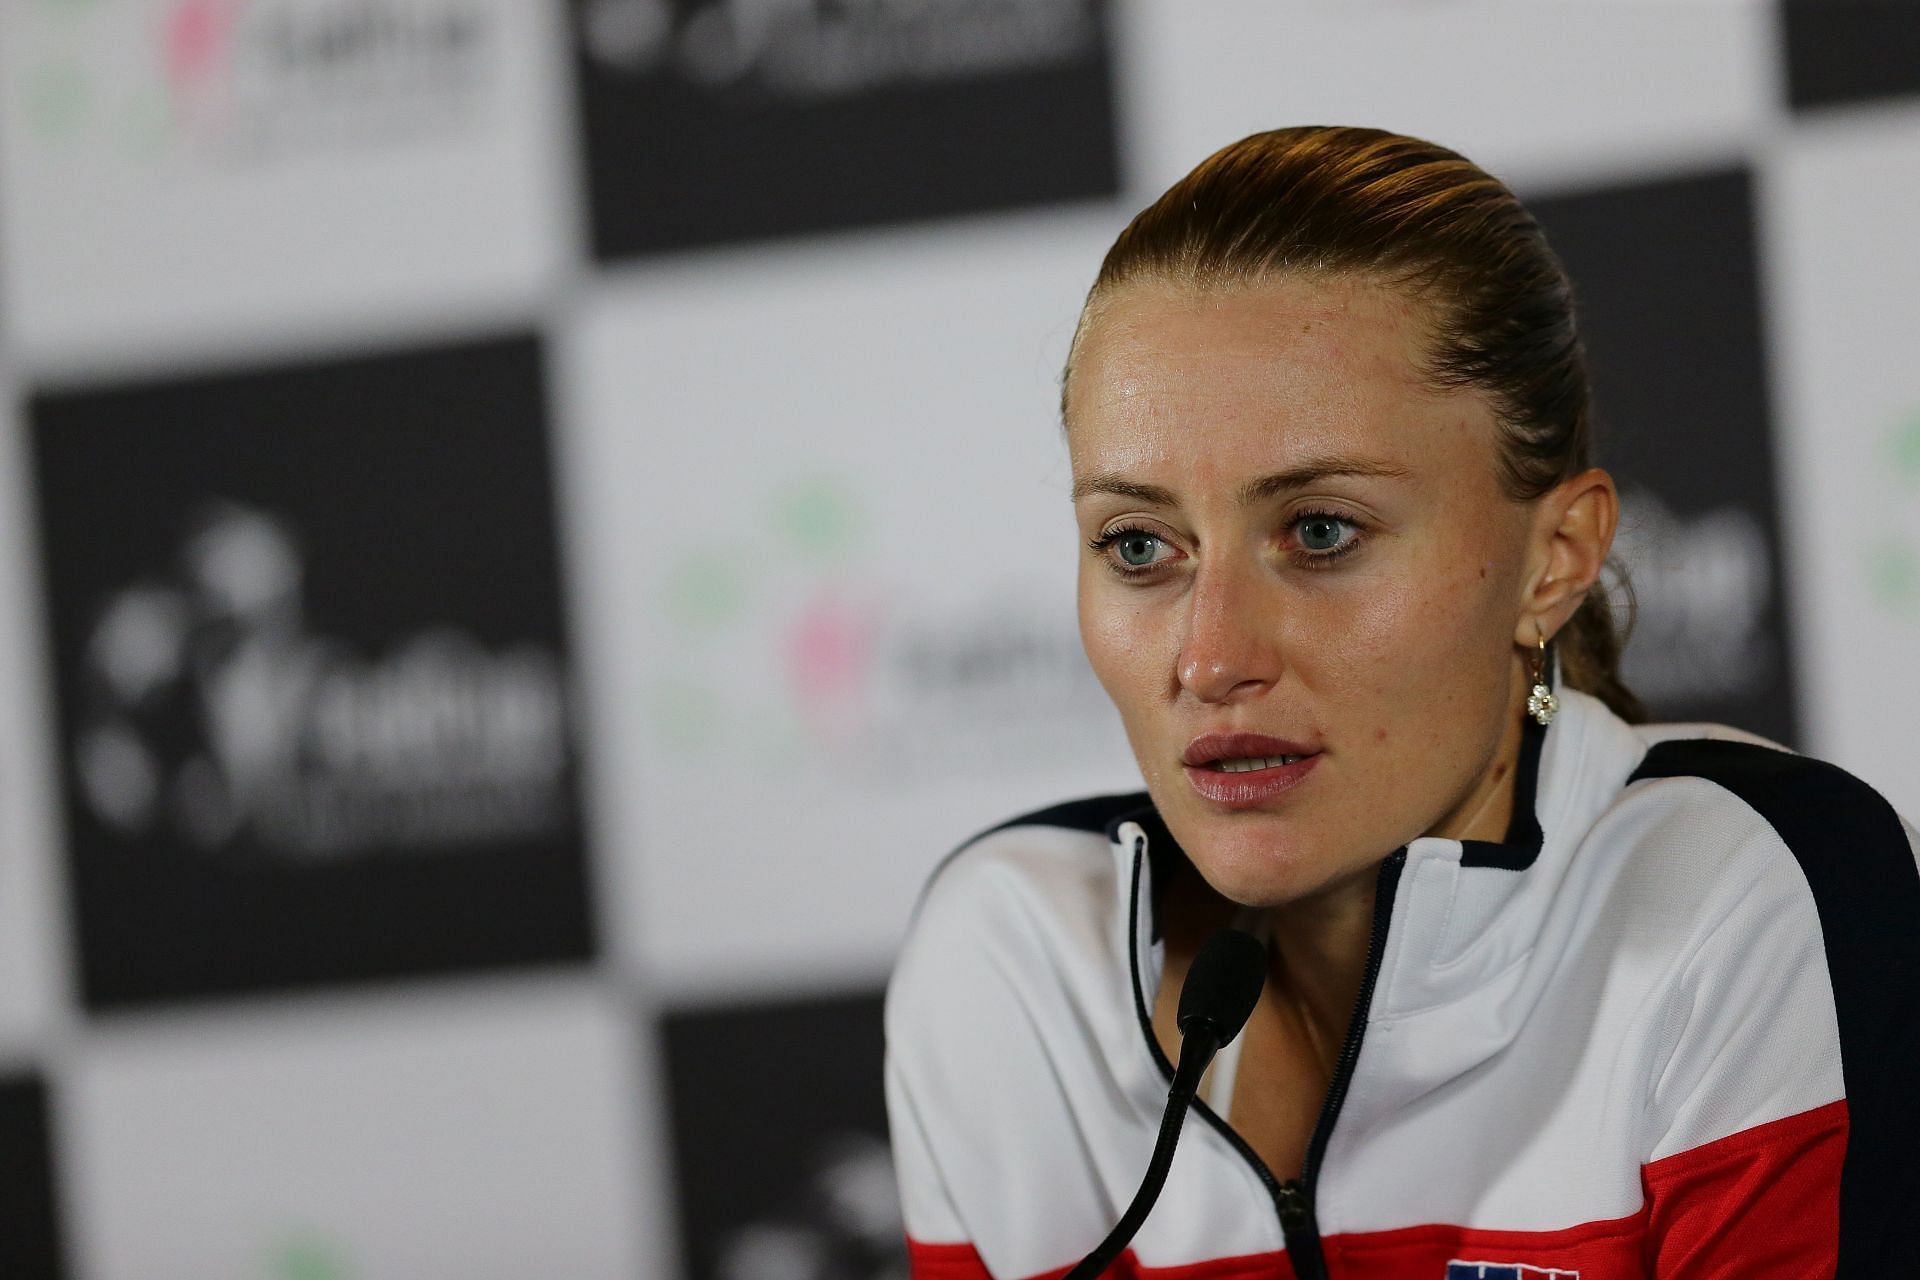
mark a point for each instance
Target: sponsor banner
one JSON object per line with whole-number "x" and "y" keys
{"x": 1667, "y": 281}
{"x": 796, "y": 1180}
{"x": 186, "y": 175}
{"x": 312, "y": 674}
{"x": 1846, "y": 289}
{"x": 1850, "y": 50}
{"x": 484, "y": 1133}
{"x": 1566, "y": 92}
{"x": 828, "y": 500}
{"x": 713, "y": 121}
{"x": 31, "y": 1243}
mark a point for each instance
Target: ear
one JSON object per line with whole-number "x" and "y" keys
{"x": 1572, "y": 531}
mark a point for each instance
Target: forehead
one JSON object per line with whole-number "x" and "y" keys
{"x": 1259, "y": 375}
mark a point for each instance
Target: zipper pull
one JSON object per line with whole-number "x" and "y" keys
{"x": 1302, "y": 1232}
{"x": 1296, "y": 1214}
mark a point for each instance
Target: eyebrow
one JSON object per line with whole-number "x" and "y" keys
{"x": 1255, "y": 490}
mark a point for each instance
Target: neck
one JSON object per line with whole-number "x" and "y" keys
{"x": 1484, "y": 810}
{"x": 1319, "y": 957}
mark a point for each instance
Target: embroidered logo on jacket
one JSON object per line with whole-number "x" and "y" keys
{"x": 1505, "y": 1271}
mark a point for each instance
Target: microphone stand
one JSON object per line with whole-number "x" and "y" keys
{"x": 1196, "y": 1052}
{"x": 1221, "y": 989}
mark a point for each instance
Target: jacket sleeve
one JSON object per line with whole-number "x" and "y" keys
{"x": 937, "y": 1243}
{"x": 987, "y": 1149}
{"x": 918, "y": 1003}
{"x": 1749, "y": 1110}
{"x": 1770, "y": 1065}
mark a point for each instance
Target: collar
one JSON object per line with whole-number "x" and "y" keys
{"x": 1466, "y": 914}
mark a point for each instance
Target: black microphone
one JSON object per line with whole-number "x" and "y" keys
{"x": 1220, "y": 991}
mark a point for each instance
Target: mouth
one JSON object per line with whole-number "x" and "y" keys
{"x": 1246, "y": 770}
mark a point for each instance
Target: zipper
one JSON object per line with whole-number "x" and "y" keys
{"x": 1357, "y": 1028}
{"x": 1310, "y": 1260}
{"x": 1293, "y": 1200}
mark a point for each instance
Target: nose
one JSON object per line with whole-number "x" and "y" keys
{"x": 1231, "y": 649}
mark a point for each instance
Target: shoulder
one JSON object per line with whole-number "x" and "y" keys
{"x": 1841, "y": 834}
{"x": 1685, "y": 832}
{"x": 1032, "y": 896}
{"x": 1059, "y": 848}
{"x": 1811, "y": 964}
{"x": 1769, "y": 850}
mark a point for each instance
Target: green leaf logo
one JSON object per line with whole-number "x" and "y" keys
{"x": 308, "y": 1257}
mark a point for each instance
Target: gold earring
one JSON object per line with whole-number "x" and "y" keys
{"x": 1541, "y": 704}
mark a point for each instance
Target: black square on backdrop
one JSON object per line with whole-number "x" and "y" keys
{"x": 780, "y": 1137}
{"x": 1666, "y": 280}
{"x": 311, "y": 674}
{"x": 1850, "y": 50}
{"x": 717, "y": 121}
{"x": 30, "y": 1237}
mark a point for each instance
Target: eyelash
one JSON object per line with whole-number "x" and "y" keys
{"x": 1312, "y": 560}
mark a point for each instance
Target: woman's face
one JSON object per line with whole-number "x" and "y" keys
{"x": 1294, "y": 547}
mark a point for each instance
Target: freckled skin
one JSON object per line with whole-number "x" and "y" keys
{"x": 1418, "y": 629}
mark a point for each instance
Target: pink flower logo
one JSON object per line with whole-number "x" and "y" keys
{"x": 195, "y": 46}
{"x": 829, "y": 652}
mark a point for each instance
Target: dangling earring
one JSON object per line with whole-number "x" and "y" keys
{"x": 1541, "y": 704}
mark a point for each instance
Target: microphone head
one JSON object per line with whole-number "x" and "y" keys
{"x": 1223, "y": 985}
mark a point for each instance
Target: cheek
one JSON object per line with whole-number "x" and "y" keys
{"x": 1412, "y": 650}
{"x": 1120, "y": 635}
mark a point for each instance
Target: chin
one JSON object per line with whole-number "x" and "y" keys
{"x": 1259, "y": 864}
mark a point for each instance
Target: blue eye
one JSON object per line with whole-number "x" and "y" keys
{"x": 1130, "y": 550}
{"x": 1136, "y": 548}
{"x": 1322, "y": 536}
{"x": 1320, "y": 533}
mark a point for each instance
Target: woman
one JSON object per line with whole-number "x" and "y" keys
{"x": 1549, "y": 993}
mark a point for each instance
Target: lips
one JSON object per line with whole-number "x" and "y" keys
{"x": 1246, "y": 770}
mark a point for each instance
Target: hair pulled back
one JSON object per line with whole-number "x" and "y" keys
{"x": 1353, "y": 201}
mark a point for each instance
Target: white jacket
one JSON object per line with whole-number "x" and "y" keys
{"x": 1670, "y": 1027}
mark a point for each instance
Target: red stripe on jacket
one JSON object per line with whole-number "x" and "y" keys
{"x": 1762, "y": 1204}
